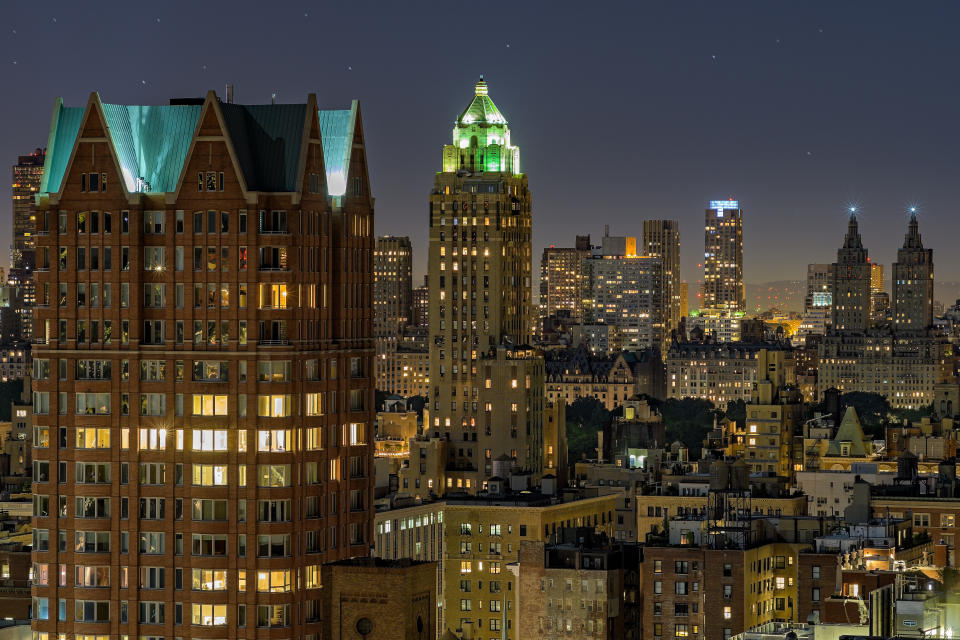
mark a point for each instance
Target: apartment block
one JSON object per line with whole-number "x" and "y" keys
{"x": 203, "y": 350}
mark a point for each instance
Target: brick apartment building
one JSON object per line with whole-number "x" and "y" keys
{"x": 203, "y": 404}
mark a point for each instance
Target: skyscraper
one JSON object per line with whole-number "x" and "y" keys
{"x": 392, "y": 302}
{"x": 661, "y": 239}
{"x": 487, "y": 388}
{"x": 723, "y": 257}
{"x": 27, "y": 174}
{"x": 624, "y": 291}
{"x": 392, "y": 285}
{"x": 902, "y": 361}
{"x": 420, "y": 305}
{"x": 913, "y": 282}
{"x": 852, "y": 278}
{"x": 819, "y": 287}
{"x": 561, "y": 279}
{"x": 204, "y": 392}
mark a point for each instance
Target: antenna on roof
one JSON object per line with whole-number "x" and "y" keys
{"x": 229, "y": 93}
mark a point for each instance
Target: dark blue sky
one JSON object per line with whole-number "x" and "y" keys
{"x": 622, "y": 111}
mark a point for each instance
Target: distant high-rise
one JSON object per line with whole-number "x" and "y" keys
{"x": 876, "y": 278}
{"x": 852, "y": 278}
{"x": 392, "y": 297}
{"x": 661, "y": 239}
{"x": 913, "y": 282}
{"x": 819, "y": 287}
{"x": 904, "y": 360}
{"x": 561, "y": 277}
{"x": 392, "y": 284}
{"x": 420, "y": 303}
{"x": 684, "y": 299}
{"x": 723, "y": 257}
{"x": 27, "y": 175}
{"x": 624, "y": 291}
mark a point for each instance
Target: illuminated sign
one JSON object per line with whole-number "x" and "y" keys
{"x": 724, "y": 204}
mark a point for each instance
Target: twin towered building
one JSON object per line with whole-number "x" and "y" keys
{"x": 904, "y": 360}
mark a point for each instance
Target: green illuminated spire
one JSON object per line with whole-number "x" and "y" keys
{"x": 481, "y": 138}
{"x": 481, "y": 109}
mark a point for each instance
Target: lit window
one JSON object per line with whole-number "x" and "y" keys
{"x": 209, "y": 440}
{"x": 207, "y": 404}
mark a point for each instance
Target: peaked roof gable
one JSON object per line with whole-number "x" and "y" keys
{"x": 336, "y": 131}
{"x": 849, "y": 431}
{"x": 148, "y": 142}
{"x": 64, "y": 130}
{"x": 267, "y": 142}
{"x": 151, "y": 143}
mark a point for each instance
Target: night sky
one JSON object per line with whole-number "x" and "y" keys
{"x": 621, "y": 111}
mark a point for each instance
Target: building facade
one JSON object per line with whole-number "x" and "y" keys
{"x": 420, "y": 301}
{"x": 913, "y": 283}
{"x": 720, "y": 373}
{"x": 561, "y": 280}
{"x": 819, "y": 287}
{"x": 852, "y": 281}
{"x": 905, "y": 360}
{"x": 661, "y": 239}
{"x": 204, "y": 398}
{"x": 723, "y": 257}
{"x": 624, "y": 291}
{"x": 475, "y": 540}
{"x": 392, "y": 600}
{"x": 598, "y": 578}
{"x": 481, "y": 299}
{"x": 27, "y": 174}
{"x": 392, "y": 302}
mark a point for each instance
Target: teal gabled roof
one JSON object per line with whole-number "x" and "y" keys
{"x": 267, "y": 140}
{"x": 64, "y": 128}
{"x": 481, "y": 109}
{"x": 151, "y": 142}
{"x": 336, "y": 133}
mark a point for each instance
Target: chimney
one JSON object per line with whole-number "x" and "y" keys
{"x": 606, "y": 231}
{"x": 273, "y": 98}
{"x": 229, "y": 93}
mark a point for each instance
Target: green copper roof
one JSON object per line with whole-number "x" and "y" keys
{"x": 849, "y": 431}
{"x": 63, "y": 133}
{"x": 481, "y": 109}
{"x": 266, "y": 139}
{"x": 151, "y": 143}
{"x": 336, "y": 132}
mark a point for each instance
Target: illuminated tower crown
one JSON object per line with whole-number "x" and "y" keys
{"x": 481, "y": 138}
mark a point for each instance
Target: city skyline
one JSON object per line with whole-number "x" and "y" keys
{"x": 790, "y": 112}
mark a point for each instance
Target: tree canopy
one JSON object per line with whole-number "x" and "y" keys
{"x": 585, "y": 417}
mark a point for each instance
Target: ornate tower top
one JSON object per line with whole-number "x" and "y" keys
{"x": 481, "y": 138}
{"x": 852, "y": 240}
{"x": 912, "y": 240}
